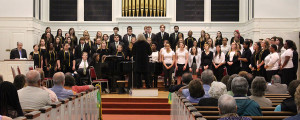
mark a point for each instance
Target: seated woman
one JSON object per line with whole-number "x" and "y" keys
{"x": 258, "y": 88}
{"x": 216, "y": 90}
{"x": 289, "y": 103}
{"x": 70, "y": 85}
{"x": 196, "y": 91}
{"x": 10, "y": 104}
{"x": 19, "y": 81}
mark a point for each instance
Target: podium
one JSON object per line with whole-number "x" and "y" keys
{"x": 8, "y": 63}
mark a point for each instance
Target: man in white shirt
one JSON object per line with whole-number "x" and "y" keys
{"x": 32, "y": 96}
{"x": 276, "y": 87}
{"x": 82, "y": 69}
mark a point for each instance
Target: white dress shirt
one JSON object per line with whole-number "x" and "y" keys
{"x": 272, "y": 61}
{"x": 219, "y": 59}
{"x": 81, "y": 65}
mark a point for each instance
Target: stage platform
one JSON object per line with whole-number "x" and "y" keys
{"x": 161, "y": 94}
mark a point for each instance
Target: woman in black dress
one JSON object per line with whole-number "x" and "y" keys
{"x": 73, "y": 37}
{"x": 219, "y": 38}
{"x": 51, "y": 60}
{"x": 201, "y": 40}
{"x": 231, "y": 58}
{"x": 206, "y": 58}
{"x": 57, "y": 45}
{"x": 261, "y": 58}
{"x": 103, "y": 51}
{"x": 36, "y": 57}
{"x": 65, "y": 60}
{"x": 43, "y": 52}
{"x": 237, "y": 37}
{"x": 254, "y": 60}
{"x": 59, "y": 34}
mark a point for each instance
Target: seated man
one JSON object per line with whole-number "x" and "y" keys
{"x": 245, "y": 106}
{"x": 196, "y": 91}
{"x": 19, "y": 52}
{"x": 207, "y": 77}
{"x": 186, "y": 78}
{"x": 297, "y": 101}
{"x": 32, "y": 96}
{"x": 82, "y": 68}
{"x": 276, "y": 87}
{"x": 58, "y": 88}
{"x": 228, "y": 108}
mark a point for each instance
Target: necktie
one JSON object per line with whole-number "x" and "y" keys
{"x": 129, "y": 38}
{"x": 117, "y": 45}
{"x": 149, "y": 35}
{"x": 175, "y": 35}
{"x": 162, "y": 35}
{"x": 84, "y": 67}
{"x": 20, "y": 53}
{"x": 82, "y": 47}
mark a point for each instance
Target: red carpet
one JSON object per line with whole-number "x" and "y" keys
{"x": 135, "y": 109}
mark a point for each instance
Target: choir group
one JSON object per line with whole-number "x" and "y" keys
{"x": 175, "y": 53}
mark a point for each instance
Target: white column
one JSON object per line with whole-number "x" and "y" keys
{"x": 243, "y": 13}
{"x": 80, "y": 10}
{"x": 207, "y": 10}
{"x": 171, "y": 9}
{"x": 116, "y": 9}
{"x": 45, "y": 10}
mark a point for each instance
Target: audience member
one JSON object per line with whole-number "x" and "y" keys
{"x": 1, "y": 78}
{"x": 228, "y": 109}
{"x": 297, "y": 101}
{"x": 196, "y": 91}
{"x": 216, "y": 90}
{"x": 276, "y": 87}
{"x": 186, "y": 78}
{"x": 225, "y": 79}
{"x": 289, "y": 103}
{"x": 228, "y": 85}
{"x": 9, "y": 105}
{"x": 246, "y": 106}
{"x": 19, "y": 81}
{"x": 59, "y": 81}
{"x": 71, "y": 85}
{"x": 32, "y": 96}
{"x": 52, "y": 95}
{"x": 258, "y": 88}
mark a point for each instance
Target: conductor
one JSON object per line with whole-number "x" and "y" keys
{"x": 140, "y": 52}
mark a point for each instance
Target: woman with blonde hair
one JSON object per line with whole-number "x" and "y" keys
{"x": 206, "y": 58}
{"x": 231, "y": 58}
{"x": 182, "y": 57}
{"x": 87, "y": 38}
{"x": 98, "y": 35}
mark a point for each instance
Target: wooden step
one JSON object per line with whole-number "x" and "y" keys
{"x": 136, "y": 111}
{"x": 135, "y": 105}
{"x": 148, "y": 100}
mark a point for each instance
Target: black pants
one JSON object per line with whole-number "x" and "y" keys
{"x": 153, "y": 80}
{"x": 218, "y": 72}
{"x": 168, "y": 75}
{"x": 139, "y": 79}
{"x": 270, "y": 73}
{"x": 287, "y": 76}
{"x": 83, "y": 79}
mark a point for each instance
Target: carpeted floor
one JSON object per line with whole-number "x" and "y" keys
{"x": 135, "y": 117}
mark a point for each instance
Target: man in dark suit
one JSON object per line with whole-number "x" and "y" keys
{"x": 111, "y": 37}
{"x": 150, "y": 34}
{"x": 112, "y": 48}
{"x": 127, "y": 37}
{"x": 140, "y": 52}
{"x": 161, "y": 36}
{"x": 82, "y": 47}
{"x": 82, "y": 68}
{"x": 174, "y": 37}
{"x": 19, "y": 52}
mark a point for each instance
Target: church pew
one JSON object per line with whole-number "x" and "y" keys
{"x": 20, "y": 118}
{"x": 64, "y": 114}
{"x": 215, "y": 108}
{"x": 71, "y": 107}
{"x": 83, "y": 106}
{"x": 35, "y": 115}
{"x": 277, "y": 95}
{"x": 77, "y": 108}
{"x": 56, "y": 111}
{"x": 95, "y": 109}
{"x": 89, "y": 104}
{"x": 45, "y": 112}
{"x": 253, "y": 117}
{"x": 265, "y": 113}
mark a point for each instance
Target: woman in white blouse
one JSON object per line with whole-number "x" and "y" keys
{"x": 155, "y": 58}
{"x": 271, "y": 63}
{"x": 218, "y": 62}
{"x": 168, "y": 58}
{"x": 195, "y": 44}
{"x": 286, "y": 65}
{"x": 194, "y": 61}
{"x": 182, "y": 57}
{"x": 210, "y": 42}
